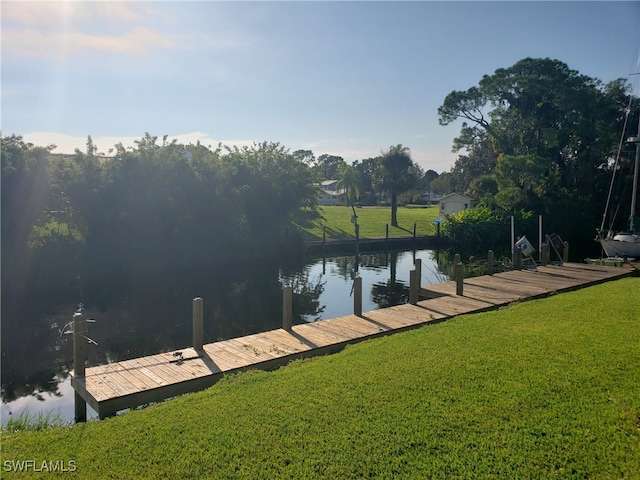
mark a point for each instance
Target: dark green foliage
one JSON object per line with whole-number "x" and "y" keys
{"x": 396, "y": 174}
{"x": 149, "y": 206}
{"x": 542, "y": 144}
{"x": 475, "y": 231}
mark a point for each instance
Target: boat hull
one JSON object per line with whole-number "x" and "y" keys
{"x": 624, "y": 246}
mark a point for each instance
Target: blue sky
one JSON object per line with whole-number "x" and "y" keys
{"x": 343, "y": 78}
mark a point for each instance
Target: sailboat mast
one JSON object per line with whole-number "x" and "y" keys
{"x": 634, "y": 195}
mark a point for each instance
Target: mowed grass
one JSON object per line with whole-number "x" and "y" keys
{"x": 542, "y": 389}
{"x": 372, "y": 221}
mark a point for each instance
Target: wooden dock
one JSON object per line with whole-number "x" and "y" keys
{"x": 130, "y": 383}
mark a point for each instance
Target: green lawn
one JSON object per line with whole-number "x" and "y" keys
{"x": 372, "y": 221}
{"x": 541, "y": 389}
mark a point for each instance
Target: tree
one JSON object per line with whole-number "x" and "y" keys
{"x": 541, "y": 131}
{"x": 327, "y": 166}
{"x": 396, "y": 174}
{"x": 443, "y": 184}
{"x": 349, "y": 180}
{"x": 367, "y": 169}
{"x": 541, "y": 107}
{"x": 305, "y": 156}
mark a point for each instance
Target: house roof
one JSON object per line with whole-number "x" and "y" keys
{"x": 329, "y": 188}
{"x": 460, "y": 195}
{"x": 328, "y": 183}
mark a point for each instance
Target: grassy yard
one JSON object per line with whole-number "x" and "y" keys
{"x": 372, "y": 221}
{"x": 541, "y": 389}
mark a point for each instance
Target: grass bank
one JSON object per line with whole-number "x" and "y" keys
{"x": 372, "y": 221}
{"x": 542, "y": 389}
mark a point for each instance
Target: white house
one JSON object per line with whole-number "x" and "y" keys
{"x": 454, "y": 202}
{"x": 330, "y": 196}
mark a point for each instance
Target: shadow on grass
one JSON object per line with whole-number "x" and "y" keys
{"x": 308, "y": 220}
{"x": 404, "y": 229}
{"x": 334, "y": 233}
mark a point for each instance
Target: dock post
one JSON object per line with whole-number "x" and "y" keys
{"x": 413, "y": 287}
{"x": 324, "y": 238}
{"x": 544, "y": 254}
{"x": 458, "y": 274}
{"x": 456, "y": 259}
{"x": 198, "y": 323}
{"x": 357, "y": 296}
{"x": 417, "y": 263}
{"x": 490, "y": 262}
{"x": 517, "y": 259}
{"x": 79, "y": 356}
{"x": 287, "y": 308}
{"x": 386, "y": 237}
{"x": 565, "y": 252}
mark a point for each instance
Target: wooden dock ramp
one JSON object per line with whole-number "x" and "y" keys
{"x": 138, "y": 381}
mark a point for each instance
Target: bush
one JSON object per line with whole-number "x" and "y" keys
{"x": 476, "y": 230}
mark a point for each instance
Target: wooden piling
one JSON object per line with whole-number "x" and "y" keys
{"x": 357, "y": 296}
{"x": 544, "y": 254}
{"x": 490, "y": 262}
{"x": 386, "y": 237}
{"x": 417, "y": 264}
{"x": 79, "y": 358}
{"x": 458, "y": 274}
{"x": 517, "y": 259}
{"x": 565, "y": 252}
{"x": 414, "y": 286}
{"x": 287, "y": 308}
{"x": 198, "y": 323}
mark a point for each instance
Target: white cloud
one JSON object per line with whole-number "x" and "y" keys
{"x": 34, "y": 43}
{"x": 62, "y": 29}
{"x": 51, "y": 13}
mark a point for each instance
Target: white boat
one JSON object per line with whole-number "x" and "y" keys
{"x": 624, "y": 244}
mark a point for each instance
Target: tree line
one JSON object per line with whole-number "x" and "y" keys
{"x": 152, "y": 205}
{"x": 162, "y": 203}
{"x": 535, "y": 138}
{"x": 539, "y": 138}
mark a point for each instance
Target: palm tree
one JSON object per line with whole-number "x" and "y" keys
{"x": 396, "y": 175}
{"x": 351, "y": 182}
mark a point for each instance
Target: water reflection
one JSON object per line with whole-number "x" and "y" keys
{"x": 142, "y": 313}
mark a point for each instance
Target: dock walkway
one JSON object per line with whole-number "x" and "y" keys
{"x": 130, "y": 383}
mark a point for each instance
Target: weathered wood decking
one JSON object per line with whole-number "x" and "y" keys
{"x": 117, "y": 386}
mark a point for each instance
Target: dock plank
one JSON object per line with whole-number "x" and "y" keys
{"x": 317, "y": 336}
{"x": 129, "y": 383}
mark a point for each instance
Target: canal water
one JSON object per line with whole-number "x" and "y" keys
{"x": 138, "y": 314}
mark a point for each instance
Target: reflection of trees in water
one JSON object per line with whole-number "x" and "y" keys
{"x": 141, "y": 313}
{"x": 347, "y": 267}
{"x": 35, "y": 352}
{"x": 137, "y": 313}
{"x": 306, "y": 295}
{"x": 386, "y": 294}
{"x": 392, "y": 292}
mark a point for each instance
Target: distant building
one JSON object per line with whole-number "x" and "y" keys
{"x": 454, "y": 202}
{"x": 329, "y": 195}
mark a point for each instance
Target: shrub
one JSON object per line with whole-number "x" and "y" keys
{"x": 476, "y": 230}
